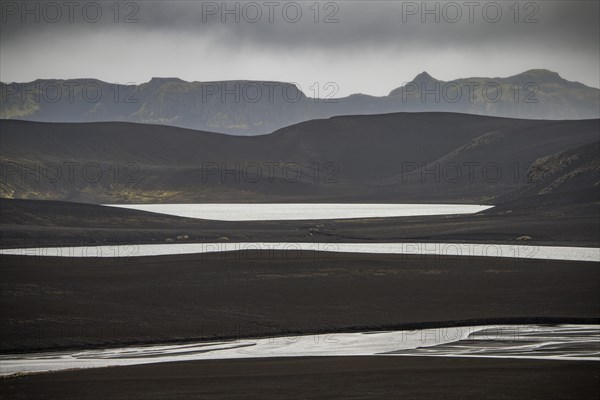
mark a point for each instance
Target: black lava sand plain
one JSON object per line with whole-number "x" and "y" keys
{"x": 320, "y": 378}
{"x": 54, "y": 303}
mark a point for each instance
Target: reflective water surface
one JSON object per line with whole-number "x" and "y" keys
{"x": 302, "y": 211}
{"x": 428, "y": 249}
{"x": 557, "y": 342}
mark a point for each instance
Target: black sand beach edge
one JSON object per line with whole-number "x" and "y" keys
{"x": 559, "y": 220}
{"x": 489, "y": 322}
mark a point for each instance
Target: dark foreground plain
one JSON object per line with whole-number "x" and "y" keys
{"x": 57, "y": 303}
{"x": 320, "y": 378}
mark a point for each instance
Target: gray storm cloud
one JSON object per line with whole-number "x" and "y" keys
{"x": 368, "y": 47}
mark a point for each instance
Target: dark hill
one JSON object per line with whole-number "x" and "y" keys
{"x": 404, "y": 157}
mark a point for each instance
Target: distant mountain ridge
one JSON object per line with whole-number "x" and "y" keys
{"x": 259, "y": 107}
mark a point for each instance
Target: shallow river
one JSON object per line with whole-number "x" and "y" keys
{"x": 557, "y": 342}
{"x": 425, "y": 249}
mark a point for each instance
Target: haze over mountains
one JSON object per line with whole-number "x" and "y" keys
{"x": 259, "y": 107}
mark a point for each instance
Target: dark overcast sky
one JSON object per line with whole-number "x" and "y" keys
{"x": 372, "y": 48}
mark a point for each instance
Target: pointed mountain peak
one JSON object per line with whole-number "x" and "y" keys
{"x": 424, "y": 78}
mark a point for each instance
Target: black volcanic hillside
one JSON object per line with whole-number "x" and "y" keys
{"x": 440, "y": 157}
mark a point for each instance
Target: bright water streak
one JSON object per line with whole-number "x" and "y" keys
{"x": 556, "y": 342}
{"x": 302, "y": 211}
{"x": 591, "y": 254}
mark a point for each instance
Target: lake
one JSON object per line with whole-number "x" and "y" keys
{"x": 277, "y": 212}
